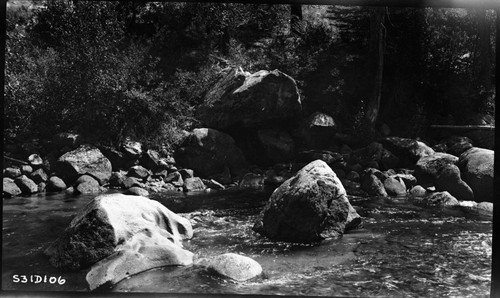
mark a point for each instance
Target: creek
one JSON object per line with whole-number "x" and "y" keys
{"x": 401, "y": 250}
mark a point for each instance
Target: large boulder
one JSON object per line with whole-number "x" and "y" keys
{"x": 208, "y": 151}
{"x": 427, "y": 167}
{"x": 241, "y": 99}
{"x": 234, "y": 266}
{"x": 10, "y": 188}
{"x": 83, "y": 160}
{"x": 409, "y": 151}
{"x": 125, "y": 234}
{"x": 476, "y": 166}
{"x": 55, "y": 184}
{"x": 449, "y": 180}
{"x": 309, "y": 207}
{"x": 26, "y": 185}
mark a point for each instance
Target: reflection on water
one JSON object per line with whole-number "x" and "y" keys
{"x": 402, "y": 249}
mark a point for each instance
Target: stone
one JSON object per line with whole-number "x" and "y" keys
{"x": 67, "y": 139}
{"x": 456, "y": 145}
{"x": 212, "y": 184}
{"x": 126, "y": 234}
{"x": 309, "y": 207}
{"x": 372, "y": 185}
{"x": 327, "y": 156}
{"x": 131, "y": 182}
{"x": 408, "y": 151}
{"x": 86, "y": 179}
{"x": 138, "y": 172}
{"x": 417, "y": 191}
{"x": 10, "y": 188}
{"x": 317, "y": 131}
{"x": 132, "y": 149}
{"x": 150, "y": 159}
{"x": 375, "y": 152}
{"x": 208, "y": 152}
{"x": 193, "y": 184}
{"x": 427, "y": 167}
{"x": 243, "y": 100}
{"x": 137, "y": 191}
{"x": 234, "y": 266}
{"x": 118, "y": 159}
{"x": 440, "y": 199}
{"x": 55, "y": 184}
{"x": 449, "y": 180}
{"x": 39, "y": 176}
{"x": 42, "y": 186}
{"x": 408, "y": 179}
{"x": 88, "y": 188}
{"x": 12, "y": 173}
{"x": 35, "y": 160}
{"x": 117, "y": 179}
{"x": 394, "y": 187}
{"x": 224, "y": 177}
{"x": 186, "y": 173}
{"x": 175, "y": 179}
{"x": 83, "y": 160}
{"x": 477, "y": 167}
{"x": 252, "y": 181}
{"x": 26, "y": 185}
{"x": 26, "y": 170}
{"x": 353, "y": 219}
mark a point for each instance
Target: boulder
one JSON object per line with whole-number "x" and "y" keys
{"x": 39, "y": 176}
{"x": 212, "y": 184}
{"x": 10, "y": 188}
{"x": 375, "y": 152}
{"x": 193, "y": 184}
{"x": 427, "y": 167}
{"x": 373, "y": 186}
{"x": 137, "y": 191}
{"x": 175, "y": 179}
{"x": 477, "y": 166}
{"x": 186, "y": 173}
{"x": 309, "y": 207}
{"x": 408, "y": 179}
{"x": 132, "y": 149}
{"x": 457, "y": 145}
{"x": 317, "y": 131}
{"x": 440, "y": 199}
{"x": 138, "y": 172}
{"x": 83, "y": 160}
{"x": 26, "y": 170}
{"x": 86, "y": 184}
{"x": 208, "y": 152}
{"x": 131, "y": 182}
{"x": 12, "y": 173}
{"x": 277, "y": 145}
{"x": 35, "y": 160}
{"x": 150, "y": 159}
{"x": 418, "y": 191}
{"x": 449, "y": 180}
{"x": 26, "y": 185}
{"x": 127, "y": 234}
{"x": 55, "y": 184}
{"x": 118, "y": 159}
{"x": 234, "y": 266}
{"x": 116, "y": 179}
{"x": 394, "y": 187}
{"x": 408, "y": 151}
{"x": 241, "y": 99}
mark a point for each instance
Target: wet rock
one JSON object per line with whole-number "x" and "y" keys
{"x": 394, "y": 187}
{"x": 418, "y": 191}
{"x": 408, "y": 179}
{"x": 42, "y": 186}
{"x": 241, "y": 99}
{"x": 137, "y": 191}
{"x": 353, "y": 219}
{"x": 449, "y": 180}
{"x": 427, "y": 167}
{"x": 175, "y": 179}
{"x": 212, "y": 184}
{"x": 372, "y": 185}
{"x": 35, "y": 160}
{"x": 234, "y": 266}
{"x": 12, "y": 172}
{"x": 138, "y": 172}
{"x": 193, "y": 184}
{"x": 83, "y": 160}
{"x": 10, "y": 188}
{"x": 86, "y": 184}
{"x": 252, "y": 181}
{"x": 208, "y": 152}
{"x": 117, "y": 179}
{"x": 309, "y": 207}
{"x": 129, "y": 234}
{"x": 26, "y": 170}
{"x": 477, "y": 166}
{"x": 440, "y": 199}
{"x": 26, "y": 185}
{"x": 55, "y": 184}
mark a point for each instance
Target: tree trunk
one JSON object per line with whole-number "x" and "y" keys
{"x": 484, "y": 33}
{"x": 376, "y": 62}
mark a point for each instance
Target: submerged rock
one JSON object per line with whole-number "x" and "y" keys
{"x": 132, "y": 231}
{"x": 232, "y": 265}
{"x": 309, "y": 207}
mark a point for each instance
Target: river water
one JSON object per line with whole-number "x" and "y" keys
{"x": 402, "y": 250}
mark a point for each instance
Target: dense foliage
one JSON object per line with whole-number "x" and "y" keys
{"x": 111, "y": 70}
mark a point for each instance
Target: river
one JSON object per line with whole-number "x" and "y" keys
{"x": 401, "y": 250}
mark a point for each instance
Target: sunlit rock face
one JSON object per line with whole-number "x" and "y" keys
{"x": 234, "y": 266}
{"x": 308, "y": 207}
{"x": 125, "y": 235}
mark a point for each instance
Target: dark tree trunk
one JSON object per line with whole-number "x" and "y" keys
{"x": 376, "y": 62}
{"x": 485, "y": 65}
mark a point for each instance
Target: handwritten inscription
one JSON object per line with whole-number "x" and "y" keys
{"x": 36, "y": 279}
